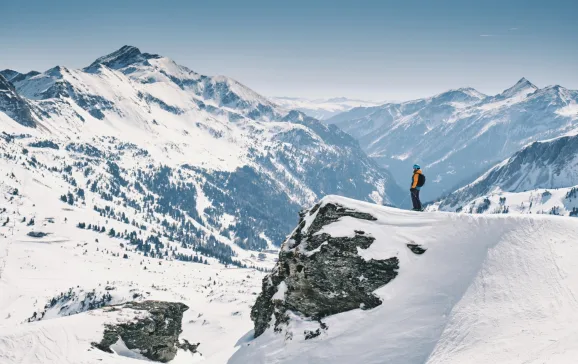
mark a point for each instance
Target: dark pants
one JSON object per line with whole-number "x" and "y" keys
{"x": 415, "y": 199}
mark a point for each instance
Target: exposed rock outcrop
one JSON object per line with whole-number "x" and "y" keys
{"x": 154, "y": 334}
{"x": 416, "y": 248}
{"x": 318, "y": 275}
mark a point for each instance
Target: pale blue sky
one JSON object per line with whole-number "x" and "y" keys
{"x": 380, "y": 50}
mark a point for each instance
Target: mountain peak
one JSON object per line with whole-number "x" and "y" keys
{"x": 470, "y": 91}
{"x": 123, "y": 57}
{"x": 465, "y": 95}
{"x": 56, "y": 71}
{"x": 9, "y": 74}
{"x": 524, "y": 82}
{"x": 522, "y": 88}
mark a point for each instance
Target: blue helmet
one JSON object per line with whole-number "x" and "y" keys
{"x": 416, "y": 166}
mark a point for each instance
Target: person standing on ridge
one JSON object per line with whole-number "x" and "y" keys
{"x": 417, "y": 181}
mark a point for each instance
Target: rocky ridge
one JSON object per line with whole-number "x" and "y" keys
{"x": 318, "y": 275}
{"x": 154, "y": 334}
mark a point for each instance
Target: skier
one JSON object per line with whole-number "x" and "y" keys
{"x": 417, "y": 181}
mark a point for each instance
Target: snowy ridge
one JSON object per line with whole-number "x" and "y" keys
{"x": 443, "y": 133}
{"x": 488, "y": 288}
{"x": 522, "y": 88}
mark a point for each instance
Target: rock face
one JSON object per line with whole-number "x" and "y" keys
{"x": 318, "y": 275}
{"x": 155, "y": 335}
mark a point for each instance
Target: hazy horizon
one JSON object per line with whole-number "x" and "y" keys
{"x": 366, "y": 50}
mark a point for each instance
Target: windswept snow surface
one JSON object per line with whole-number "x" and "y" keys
{"x": 489, "y": 289}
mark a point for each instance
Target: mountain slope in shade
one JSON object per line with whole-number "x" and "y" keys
{"x": 9, "y": 74}
{"x": 15, "y": 106}
{"x": 243, "y": 164}
{"x": 458, "y": 134}
{"x": 480, "y": 289}
{"x": 550, "y": 164}
{"x": 321, "y": 109}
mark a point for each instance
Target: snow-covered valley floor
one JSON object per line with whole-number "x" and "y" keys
{"x": 75, "y": 267}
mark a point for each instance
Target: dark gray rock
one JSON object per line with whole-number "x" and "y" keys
{"x": 156, "y": 336}
{"x": 37, "y": 234}
{"x": 323, "y": 275}
{"x": 416, "y": 248}
{"x": 312, "y": 334}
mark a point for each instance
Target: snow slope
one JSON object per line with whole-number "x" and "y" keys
{"x": 74, "y": 267}
{"x": 457, "y": 135}
{"x": 488, "y": 289}
{"x": 321, "y": 109}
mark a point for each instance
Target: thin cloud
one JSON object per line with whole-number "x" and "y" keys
{"x": 512, "y": 29}
{"x": 488, "y": 35}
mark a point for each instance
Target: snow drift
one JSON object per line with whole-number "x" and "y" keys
{"x": 487, "y": 288}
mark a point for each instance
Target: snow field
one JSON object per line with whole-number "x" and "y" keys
{"x": 489, "y": 288}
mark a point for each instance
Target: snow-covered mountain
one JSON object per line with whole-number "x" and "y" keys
{"x": 205, "y": 151}
{"x": 523, "y": 182}
{"x": 321, "y": 109}
{"x": 418, "y": 287}
{"x": 458, "y": 134}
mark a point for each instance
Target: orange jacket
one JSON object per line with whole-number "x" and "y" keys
{"x": 415, "y": 178}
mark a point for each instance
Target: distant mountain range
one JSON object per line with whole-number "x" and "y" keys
{"x": 459, "y": 134}
{"x": 321, "y": 108}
